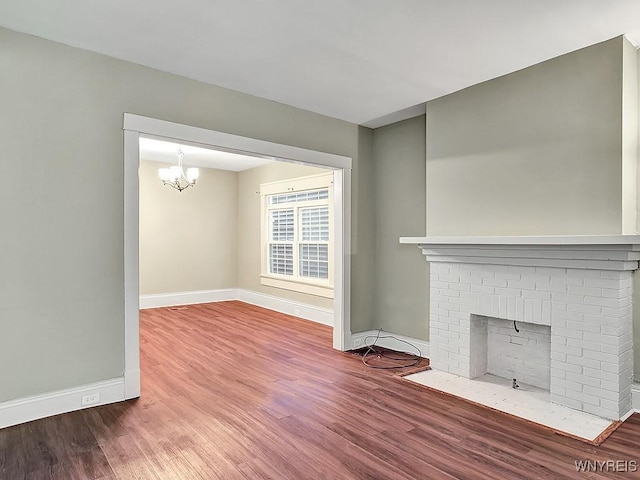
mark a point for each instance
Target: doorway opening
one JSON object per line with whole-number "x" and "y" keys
{"x": 136, "y": 126}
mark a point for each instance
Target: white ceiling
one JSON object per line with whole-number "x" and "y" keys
{"x": 364, "y": 61}
{"x": 164, "y": 151}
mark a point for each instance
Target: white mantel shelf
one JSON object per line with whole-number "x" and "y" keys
{"x": 602, "y": 252}
{"x": 557, "y": 240}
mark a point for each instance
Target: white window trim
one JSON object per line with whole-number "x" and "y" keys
{"x": 296, "y": 283}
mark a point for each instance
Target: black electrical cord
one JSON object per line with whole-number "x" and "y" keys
{"x": 413, "y": 358}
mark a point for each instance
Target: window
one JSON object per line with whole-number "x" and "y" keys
{"x": 297, "y": 234}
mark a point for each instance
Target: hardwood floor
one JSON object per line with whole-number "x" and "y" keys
{"x": 233, "y": 391}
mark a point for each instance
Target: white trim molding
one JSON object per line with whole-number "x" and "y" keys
{"x": 187, "y": 298}
{"x": 635, "y": 397}
{"x": 392, "y": 341}
{"x": 35, "y": 407}
{"x": 277, "y": 304}
{"x": 135, "y": 125}
{"x": 289, "y": 307}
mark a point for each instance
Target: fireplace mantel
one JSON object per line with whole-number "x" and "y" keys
{"x": 602, "y": 252}
{"x": 579, "y": 286}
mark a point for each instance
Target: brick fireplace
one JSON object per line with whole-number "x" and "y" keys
{"x": 554, "y": 311}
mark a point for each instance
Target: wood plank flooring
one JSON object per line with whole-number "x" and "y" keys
{"x": 233, "y": 391}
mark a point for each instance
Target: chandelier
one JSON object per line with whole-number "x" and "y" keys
{"x": 176, "y": 177}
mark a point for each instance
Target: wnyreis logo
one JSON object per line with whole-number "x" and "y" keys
{"x": 598, "y": 466}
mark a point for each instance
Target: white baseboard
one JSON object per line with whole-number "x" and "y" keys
{"x": 389, "y": 340}
{"x": 27, "y": 409}
{"x": 296, "y": 309}
{"x": 635, "y": 397}
{"x": 290, "y": 307}
{"x": 187, "y": 298}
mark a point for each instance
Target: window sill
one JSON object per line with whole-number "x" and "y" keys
{"x": 301, "y": 287}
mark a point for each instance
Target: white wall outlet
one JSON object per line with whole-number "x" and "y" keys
{"x": 296, "y": 312}
{"x": 90, "y": 399}
{"x": 357, "y": 342}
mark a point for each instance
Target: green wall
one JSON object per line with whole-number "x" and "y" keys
{"x": 62, "y": 280}
{"x": 401, "y": 289}
{"x": 249, "y": 236}
{"x": 536, "y": 152}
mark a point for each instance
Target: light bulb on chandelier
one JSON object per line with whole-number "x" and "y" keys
{"x": 176, "y": 177}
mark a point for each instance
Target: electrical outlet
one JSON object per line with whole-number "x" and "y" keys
{"x": 296, "y": 312}
{"x": 90, "y": 399}
{"x": 357, "y": 342}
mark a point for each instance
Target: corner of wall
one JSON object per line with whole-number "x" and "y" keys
{"x": 630, "y": 122}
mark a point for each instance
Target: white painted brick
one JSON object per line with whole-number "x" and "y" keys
{"x": 568, "y": 385}
{"x": 601, "y": 393}
{"x": 601, "y": 320}
{"x": 608, "y": 405}
{"x": 483, "y": 274}
{"x": 460, "y": 329}
{"x": 616, "y": 312}
{"x": 567, "y": 298}
{"x": 551, "y": 271}
{"x": 585, "y": 345}
{"x": 601, "y": 412}
{"x": 567, "y": 402}
{"x": 525, "y": 283}
{"x": 599, "y": 373}
{"x": 566, "y": 350}
{"x": 447, "y": 305}
{"x": 507, "y": 275}
{"x": 494, "y": 282}
{"x": 536, "y": 295}
{"x": 567, "y": 367}
{"x": 603, "y": 283}
{"x": 610, "y": 386}
{"x": 583, "y": 362}
{"x": 608, "y": 302}
{"x": 584, "y": 327}
{"x": 584, "y": 398}
{"x": 613, "y": 274}
{"x": 613, "y": 368}
{"x": 566, "y": 315}
{"x": 520, "y": 309}
{"x": 438, "y": 326}
{"x": 588, "y": 291}
{"x": 615, "y": 293}
{"x": 599, "y": 338}
{"x": 471, "y": 280}
{"x": 525, "y": 270}
{"x": 502, "y": 311}
{"x": 460, "y": 286}
{"x": 583, "y": 380}
{"x": 508, "y": 292}
{"x": 582, "y": 273}
{"x": 614, "y": 349}
{"x": 588, "y": 309}
{"x": 460, "y": 316}
{"x": 561, "y": 333}
{"x": 495, "y": 306}
{"x": 482, "y": 289}
{"x": 448, "y": 278}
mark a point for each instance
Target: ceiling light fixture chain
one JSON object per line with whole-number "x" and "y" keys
{"x": 176, "y": 177}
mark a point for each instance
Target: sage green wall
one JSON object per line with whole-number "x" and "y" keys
{"x": 188, "y": 240}
{"x": 249, "y": 241}
{"x": 534, "y": 152}
{"x": 61, "y": 280}
{"x": 401, "y": 290}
